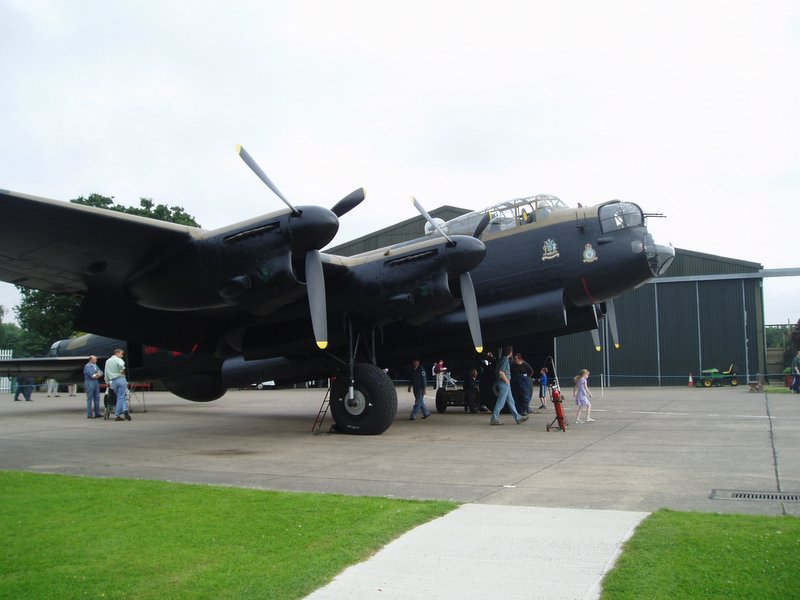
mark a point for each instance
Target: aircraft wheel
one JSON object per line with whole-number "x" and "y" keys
{"x": 707, "y": 383}
{"x": 441, "y": 400}
{"x": 734, "y": 382}
{"x": 373, "y": 407}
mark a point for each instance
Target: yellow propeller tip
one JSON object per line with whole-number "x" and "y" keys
{"x": 616, "y": 346}
{"x": 322, "y": 345}
{"x": 598, "y": 348}
{"x": 238, "y": 148}
{"x": 478, "y": 349}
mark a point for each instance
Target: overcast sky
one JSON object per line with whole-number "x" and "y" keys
{"x": 688, "y": 108}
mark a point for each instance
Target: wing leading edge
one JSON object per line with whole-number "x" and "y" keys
{"x": 59, "y": 246}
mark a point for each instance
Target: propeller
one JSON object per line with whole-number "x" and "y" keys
{"x": 349, "y": 202}
{"x": 611, "y": 316}
{"x": 467, "y": 288}
{"x": 308, "y": 230}
{"x": 487, "y": 216}
{"x": 471, "y": 308}
{"x": 315, "y": 280}
{"x": 245, "y": 156}
{"x": 430, "y": 220}
{"x": 596, "y": 339}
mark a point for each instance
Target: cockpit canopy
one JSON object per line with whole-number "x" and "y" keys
{"x": 505, "y": 215}
{"x": 620, "y": 215}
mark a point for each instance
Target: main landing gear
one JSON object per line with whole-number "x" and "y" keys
{"x": 374, "y": 404}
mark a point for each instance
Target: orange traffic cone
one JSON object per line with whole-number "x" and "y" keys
{"x": 691, "y": 381}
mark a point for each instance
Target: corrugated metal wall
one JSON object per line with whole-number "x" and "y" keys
{"x": 668, "y": 330}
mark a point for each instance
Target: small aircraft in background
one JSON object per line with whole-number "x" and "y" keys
{"x": 204, "y": 311}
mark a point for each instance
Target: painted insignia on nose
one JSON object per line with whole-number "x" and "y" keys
{"x": 550, "y": 249}
{"x": 589, "y": 255}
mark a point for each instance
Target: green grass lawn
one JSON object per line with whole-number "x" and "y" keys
{"x": 687, "y": 555}
{"x": 777, "y": 389}
{"x": 80, "y": 537}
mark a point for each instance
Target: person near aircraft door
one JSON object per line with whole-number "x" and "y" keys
{"x": 438, "y": 372}
{"x": 52, "y": 387}
{"x": 115, "y": 377}
{"x": 796, "y": 372}
{"x": 521, "y": 389}
{"x": 543, "y": 388}
{"x": 583, "y": 396}
{"x": 91, "y": 383}
{"x": 504, "y": 390}
{"x": 471, "y": 389}
{"x": 418, "y": 384}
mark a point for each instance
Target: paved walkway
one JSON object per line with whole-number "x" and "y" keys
{"x": 484, "y": 552}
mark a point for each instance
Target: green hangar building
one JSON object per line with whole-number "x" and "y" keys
{"x": 707, "y": 312}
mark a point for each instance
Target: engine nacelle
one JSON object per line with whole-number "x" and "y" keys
{"x": 197, "y": 388}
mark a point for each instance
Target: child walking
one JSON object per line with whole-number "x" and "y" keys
{"x": 582, "y": 396}
{"x": 543, "y": 388}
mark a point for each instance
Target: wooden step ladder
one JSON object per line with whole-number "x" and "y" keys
{"x": 316, "y": 428}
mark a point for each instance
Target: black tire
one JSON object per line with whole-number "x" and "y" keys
{"x": 441, "y": 400}
{"x": 374, "y": 405}
{"x": 734, "y": 381}
{"x": 707, "y": 383}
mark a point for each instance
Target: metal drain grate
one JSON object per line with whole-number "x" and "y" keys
{"x": 758, "y": 496}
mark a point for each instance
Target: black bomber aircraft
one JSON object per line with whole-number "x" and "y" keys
{"x": 204, "y": 311}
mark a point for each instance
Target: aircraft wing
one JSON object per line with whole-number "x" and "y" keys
{"x": 63, "y": 369}
{"x": 57, "y": 246}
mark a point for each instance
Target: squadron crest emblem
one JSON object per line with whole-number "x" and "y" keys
{"x": 589, "y": 255}
{"x": 549, "y": 249}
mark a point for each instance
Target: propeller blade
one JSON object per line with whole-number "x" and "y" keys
{"x": 596, "y": 340}
{"x": 315, "y": 283}
{"x": 430, "y": 220}
{"x": 471, "y": 308}
{"x": 611, "y": 315}
{"x": 482, "y": 225}
{"x": 349, "y": 202}
{"x": 263, "y": 177}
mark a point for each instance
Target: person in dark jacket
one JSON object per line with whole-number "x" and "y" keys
{"x": 418, "y": 383}
{"x": 471, "y": 389}
{"x": 521, "y": 387}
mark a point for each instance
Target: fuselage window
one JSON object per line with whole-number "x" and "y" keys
{"x": 619, "y": 216}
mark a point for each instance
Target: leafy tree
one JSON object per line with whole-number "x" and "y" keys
{"x": 46, "y": 317}
{"x": 146, "y": 208}
{"x": 22, "y": 343}
{"x": 777, "y": 336}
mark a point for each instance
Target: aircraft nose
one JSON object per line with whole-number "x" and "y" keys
{"x": 465, "y": 255}
{"x": 313, "y": 228}
{"x": 664, "y": 257}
